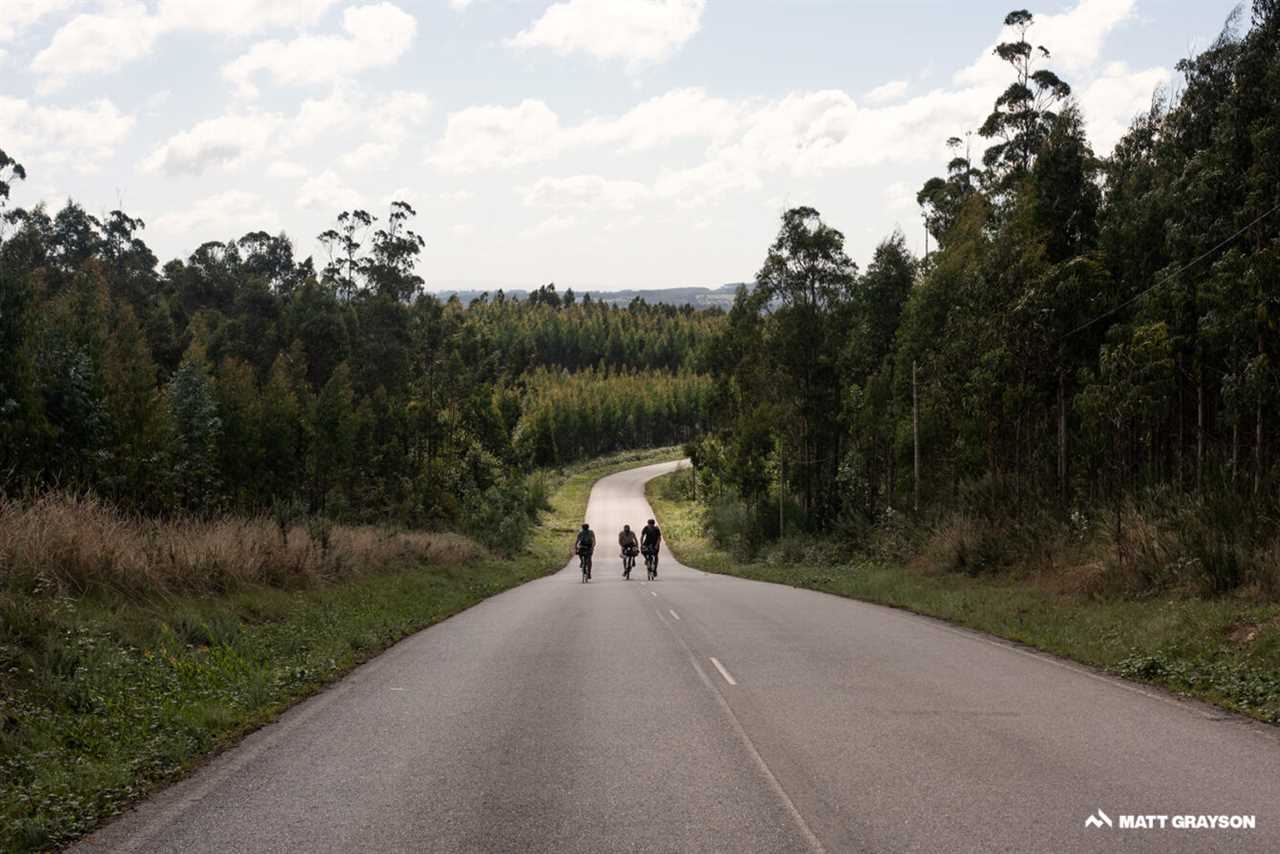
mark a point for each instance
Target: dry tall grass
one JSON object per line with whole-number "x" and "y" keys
{"x": 1188, "y": 549}
{"x": 72, "y": 544}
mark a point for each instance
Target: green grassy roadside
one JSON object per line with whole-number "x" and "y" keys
{"x": 1225, "y": 651}
{"x": 105, "y": 701}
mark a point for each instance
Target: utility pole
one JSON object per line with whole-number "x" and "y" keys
{"x": 915, "y": 438}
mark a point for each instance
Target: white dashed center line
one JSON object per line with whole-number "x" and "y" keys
{"x": 725, "y": 673}
{"x": 674, "y": 614}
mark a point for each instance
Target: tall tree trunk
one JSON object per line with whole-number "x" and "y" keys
{"x": 1257, "y": 449}
{"x": 915, "y": 439}
{"x": 1062, "y": 438}
{"x": 1181, "y": 436}
{"x": 781, "y": 482}
{"x": 1257, "y": 445}
{"x": 1235, "y": 450}
{"x": 1199, "y": 432}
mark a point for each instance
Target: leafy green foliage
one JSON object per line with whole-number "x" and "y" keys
{"x": 103, "y": 698}
{"x": 1223, "y": 650}
{"x": 240, "y": 379}
{"x": 1090, "y": 333}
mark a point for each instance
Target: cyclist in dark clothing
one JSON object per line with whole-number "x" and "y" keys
{"x": 583, "y": 546}
{"x": 650, "y": 542}
{"x": 630, "y": 548}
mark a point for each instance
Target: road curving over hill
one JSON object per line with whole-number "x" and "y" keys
{"x": 709, "y": 713}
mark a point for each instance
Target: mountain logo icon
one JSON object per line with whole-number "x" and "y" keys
{"x": 1099, "y": 819}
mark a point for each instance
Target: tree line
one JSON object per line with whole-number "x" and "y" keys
{"x": 244, "y": 380}
{"x": 567, "y": 416}
{"x": 1088, "y": 329}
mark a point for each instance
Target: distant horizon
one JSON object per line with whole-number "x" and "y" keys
{"x": 561, "y": 287}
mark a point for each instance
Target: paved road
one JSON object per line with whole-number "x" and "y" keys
{"x": 562, "y": 717}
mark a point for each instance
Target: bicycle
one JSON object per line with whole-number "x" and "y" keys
{"x": 628, "y": 563}
{"x": 584, "y": 561}
{"x": 651, "y": 564}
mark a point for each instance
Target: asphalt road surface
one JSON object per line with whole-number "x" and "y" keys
{"x": 705, "y": 713}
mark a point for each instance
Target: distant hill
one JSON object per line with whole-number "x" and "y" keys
{"x": 721, "y": 297}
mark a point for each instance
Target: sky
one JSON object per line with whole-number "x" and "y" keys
{"x": 597, "y": 144}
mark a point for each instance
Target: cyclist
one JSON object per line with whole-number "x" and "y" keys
{"x": 583, "y": 546}
{"x": 650, "y": 541}
{"x": 630, "y": 548}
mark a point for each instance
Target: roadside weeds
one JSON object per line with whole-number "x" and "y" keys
{"x": 1223, "y": 650}
{"x": 106, "y": 696}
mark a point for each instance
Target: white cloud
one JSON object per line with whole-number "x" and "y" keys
{"x": 898, "y": 196}
{"x": 1074, "y": 39}
{"x": 495, "y": 137}
{"x": 126, "y": 30}
{"x": 392, "y": 117}
{"x": 456, "y": 197}
{"x": 96, "y": 43}
{"x": 679, "y": 114}
{"x": 637, "y": 31}
{"x": 235, "y": 210}
{"x": 78, "y": 137}
{"x": 883, "y": 94}
{"x": 328, "y": 192}
{"x": 626, "y": 224}
{"x": 240, "y": 17}
{"x": 227, "y": 141}
{"x": 585, "y": 192}
{"x": 551, "y": 225}
{"x": 700, "y": 184}
{"x": 459, "y": 4}
{"x": 1111, "y": 101}
{"x": 478, "y": 138}
{"x": 377, "y": 35}
{"x": 368, "y": 156}
{"x": 18, "y": 15}
{"x": 232, "y": 140}
{"x": 287, "y": 169}
{"x": 803, "y": 134}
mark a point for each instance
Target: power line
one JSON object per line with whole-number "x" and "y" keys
{"x": 1172, "y": 275}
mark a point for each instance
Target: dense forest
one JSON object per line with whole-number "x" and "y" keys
{"x": 243, "y": 380}
{"x": 1089, "y": 333}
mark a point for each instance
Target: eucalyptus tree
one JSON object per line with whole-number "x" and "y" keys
{"x": 1024, "y": 113}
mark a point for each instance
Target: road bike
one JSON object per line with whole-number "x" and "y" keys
{"x": 628, "y": 562}
{"x": 584, "y": 561}
{"x": 651, "y": 563}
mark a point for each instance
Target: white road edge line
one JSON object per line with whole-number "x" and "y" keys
{"x": 725, "y": 673}
{"x": 674, "y": 614}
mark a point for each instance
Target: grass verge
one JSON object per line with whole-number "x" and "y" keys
{"x": 104, "y": 697}
{"x": 1223, "y": 650}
